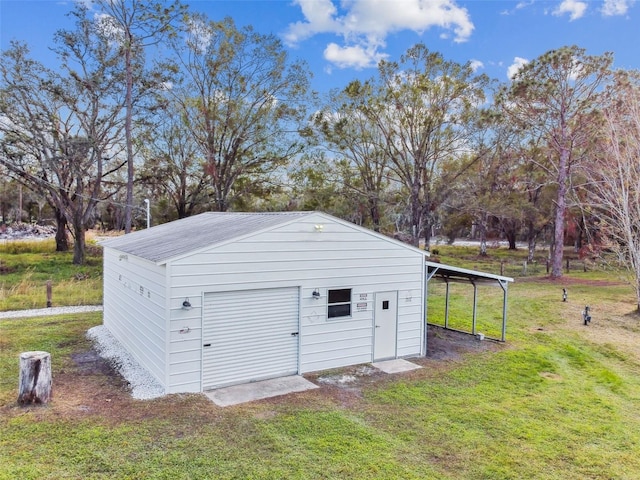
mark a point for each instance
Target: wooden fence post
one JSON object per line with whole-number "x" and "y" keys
{"x": 49, "y": 303}
{"x": 35, "y": 378}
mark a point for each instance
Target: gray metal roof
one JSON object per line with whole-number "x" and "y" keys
{"x": 164, "y": 242}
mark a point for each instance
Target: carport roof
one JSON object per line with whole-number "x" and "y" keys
{"x": 169, "y": 240}
{"x": 447, "y": 273}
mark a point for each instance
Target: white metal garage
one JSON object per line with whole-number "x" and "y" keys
{"x": 249, "y": 335}
{"x": 227, "y": 298}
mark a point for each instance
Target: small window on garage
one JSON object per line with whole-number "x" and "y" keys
{"x": 339, "y": 303}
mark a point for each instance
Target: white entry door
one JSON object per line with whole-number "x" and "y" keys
{"x": 386, "y": 322}
{"x": 249, "y": 335}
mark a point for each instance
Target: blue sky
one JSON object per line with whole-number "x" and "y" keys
{"x": 343, "y": 40}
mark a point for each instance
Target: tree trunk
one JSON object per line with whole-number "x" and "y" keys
{"x": 221, "y": 205}
{"x": 580, "y": 229}
{"x": 35, "y": 378}
{"x": 531, "y": 242}
{"x": 62, "y": 239}
{"x": 561, "y": 206}
{"x": 416, "y": 215}
{"x": 128, "y": 136}
{"x": 637, "y": 293}
{"x": 79, "y": 245}
{"x": 428, "y": 228}
{"x": 374, "y": 211}
{"x": 483, "y": 235}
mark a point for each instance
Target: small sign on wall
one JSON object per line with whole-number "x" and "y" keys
{"x": 363, "y": 297}
{"x": 361, "y": 307}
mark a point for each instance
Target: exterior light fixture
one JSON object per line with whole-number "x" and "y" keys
{"x": 319, "y": 227}
{"x": 316, "y": 294}
{"x": 186, "y": 305}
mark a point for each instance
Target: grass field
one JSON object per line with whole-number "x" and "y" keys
{"x": 26, "y": 266}
{"x": 558, "y": 400}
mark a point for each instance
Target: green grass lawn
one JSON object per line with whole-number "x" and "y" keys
{"x": 559, "y": 400}
{"x": 26, "y": 266}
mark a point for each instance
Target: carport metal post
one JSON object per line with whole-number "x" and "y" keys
{"x": 428, "y": 277}
{"x": 504, "y": 285}
{"x": 446, "y": 304}
{"x": 475, "y": 307}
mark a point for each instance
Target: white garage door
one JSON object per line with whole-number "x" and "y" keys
{"x": 249, "y": 335}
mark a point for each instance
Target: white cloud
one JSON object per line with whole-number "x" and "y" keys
{"x": 86, "y": 3}
{"x": 319, "y": 15}
{"x": 109, "y": 28}
{"x": 519, "y": 6}
{"x": 199, "y": 35}
{"x": 352, "y": 56}
{"x": 476, "y": 65}
{"x": 518, "y": 63}
{"x": 616, "y": 7}
{"x": 365, "y": 24}
{"x": 574, "y": 8}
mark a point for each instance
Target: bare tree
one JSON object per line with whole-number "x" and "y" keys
{"x": 615, "y": 177}
{"x": 59, "y": 132}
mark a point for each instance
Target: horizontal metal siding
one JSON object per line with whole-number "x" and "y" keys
{"x": 305, "y": 271}
{"x": 296, "y": 254}
{"x": 409, "y": 325}
{"x": 281, "y": 262}
{"x": 250, "y": 336}
{"x": 134, "y": 308}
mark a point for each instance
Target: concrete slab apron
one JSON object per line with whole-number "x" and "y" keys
{"x": 397, "y": 365}
{"x": 248, "y": 392}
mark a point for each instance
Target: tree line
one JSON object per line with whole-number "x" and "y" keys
{"x": 150, "y": 100}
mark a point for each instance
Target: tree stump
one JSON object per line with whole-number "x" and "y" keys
{"x": 35, "y": 378}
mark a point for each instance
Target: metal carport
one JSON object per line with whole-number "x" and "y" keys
{"x": 448, "y": 274}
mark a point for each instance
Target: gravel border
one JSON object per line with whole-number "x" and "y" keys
{"x": 143, "y": 385}
{"x": 43, "y": 312}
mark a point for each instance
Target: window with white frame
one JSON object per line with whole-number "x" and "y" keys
{"x": 339, "y": 303}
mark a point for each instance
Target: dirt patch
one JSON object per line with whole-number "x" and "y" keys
{"x": 90, "y": 363}
{"x": 5, "y": 269}
{"x": 614, "y": 326}
{"x": 90, "y": 386}
{"x": 345, "y": 385}
{"x": 444, "y": 344}
{"x": 445, "y": 348}
{"x": 551, "y": 376}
